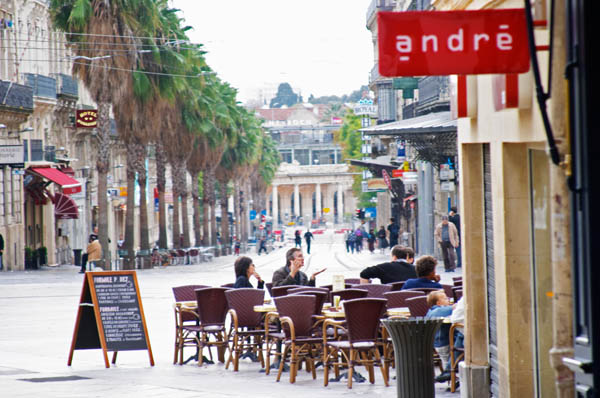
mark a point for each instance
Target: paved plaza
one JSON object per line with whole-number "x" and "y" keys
{"x": 38, "y": 311}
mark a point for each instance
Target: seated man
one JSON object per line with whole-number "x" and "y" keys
{"x": 399, "y": 269}
{"x": 426, "y": 276}
{"x": 439, "y": 307}
{"x": 290, "y": 274}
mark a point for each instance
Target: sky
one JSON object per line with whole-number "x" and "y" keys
{"x": 320, "y": 47}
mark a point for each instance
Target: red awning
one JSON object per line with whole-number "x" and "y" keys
{"x": 69, "y": 185}
{"x": 65, "y": 207}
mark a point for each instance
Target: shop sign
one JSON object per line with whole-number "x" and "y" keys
{"x": 426, "y": 43}
{"x": 87, "y": 118}
{"x": 11, "y": 154}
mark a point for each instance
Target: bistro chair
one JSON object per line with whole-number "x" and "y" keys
{"x": 457, "y": 354}
{"x": 457, "y": 293}
{"x": 448, "y": 290}
{"x": 269, "y": 286}
{"x": 184, "y": 318}
{"x": 328, "y": 287}
{"x": 362, "y": 329}
{"x": 296, "y": 316}
{"x": 425, "y": 290}
{"x": 278, "y": 291}
{"x": 396, "y": 285}
{"x": 374, "y": 290}
{"x": 194, "y": 255}
{"x": 212, "y": 311}
{"x": 398, "y": 298}
{"x": 229, "y": 285}
{"x": 349, "y": 294}
{"x": 245, "y": 330}
{"x": 417, "y": 305}
{"x": 351, "y": 281}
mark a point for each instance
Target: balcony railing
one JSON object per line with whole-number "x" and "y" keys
{"x": 43, "y": 86}
{"x": 16, "y": 96}
{"x": 66, "y": 86}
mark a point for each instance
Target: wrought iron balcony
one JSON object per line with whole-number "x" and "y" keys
{"x": 16, "y": 97}
{"x": 43, "y": 86}
{"x": 66, "y": 86}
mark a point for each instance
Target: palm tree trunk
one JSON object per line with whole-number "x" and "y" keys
{"x": 130, "y": 214}
{"x": 196, "y": 204}
{"x": 161, "y": 182}
{"x": 212, "y": 203}
{"x": 176, "y": 168}
{"x": 236, "y": 210}
{"x": 102, "y": 165}
{"x": 142, "y": 179}
{"x": 224, "y": 218}
{"x": 185, "y": 220}
{"x": 205, "y": 208}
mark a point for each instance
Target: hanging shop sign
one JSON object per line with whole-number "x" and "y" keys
{"x": 87, "y": 118}
{"x": 420, "y": 43}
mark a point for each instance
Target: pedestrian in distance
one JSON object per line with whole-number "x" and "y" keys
{"x": 447, "y": 237}
{"x": 352, "y": 241}
{"x": 244, "y": 269}
{"x": 381, "y": 236}
{"x": 298, "y": 239}
{"x": 394, "y": 232}
{"x": 236, "y": 247}
{"x": 347, "y": 240}
{"x": 371, "y": 240}
{"x": 454, "y": 218}
{"x": 308, "y": 237}
{"x": 1, "y": 252}
{"x": 262, "y": 245}
{"x": 358, "y": 240}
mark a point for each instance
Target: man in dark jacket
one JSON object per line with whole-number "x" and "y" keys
{"x": 399, "y": 269}
{"x": 290, "y": 274}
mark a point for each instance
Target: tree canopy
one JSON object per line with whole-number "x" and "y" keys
{"x": 285, "y": 96}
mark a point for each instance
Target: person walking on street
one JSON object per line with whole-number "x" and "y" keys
{"x": 347, "y": 241}
{"x": 352, "y": 241}
{"x": 394, "y": 231}
{"x": 454, "y": 218}
{"x": 383, "y": 243}
{"x": 308, "y": 237}
{"x": 1, "y": 252}
{"x": 262, "y": 245}
{"x": 371, "y": 240}
{"x": 298, "y": 239}
{"x": 447, "y": 237}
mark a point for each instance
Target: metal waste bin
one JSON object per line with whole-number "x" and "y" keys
{"x": 413, "y": 353}
{"x": 77, "y": 256}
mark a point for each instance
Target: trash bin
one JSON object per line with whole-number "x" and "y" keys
{"x": 77, "y": 256}
{"x": 413, "y": 352}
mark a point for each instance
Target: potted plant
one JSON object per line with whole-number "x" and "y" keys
{"x": 42, "y": 255}
{"x": 30, "y": 258}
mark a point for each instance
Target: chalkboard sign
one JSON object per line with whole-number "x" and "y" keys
{"x": 110, "y": 315}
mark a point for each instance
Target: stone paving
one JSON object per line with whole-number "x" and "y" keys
{"x": 38, "y": 311}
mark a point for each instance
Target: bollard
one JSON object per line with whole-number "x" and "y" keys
{"x": 413, "y": 353}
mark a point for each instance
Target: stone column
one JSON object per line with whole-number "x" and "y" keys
{"x": 296, "y": 200}
{"x": 340, "y": 203}
{"x": 318, "y": 199}
{"x": 275, "y": 212}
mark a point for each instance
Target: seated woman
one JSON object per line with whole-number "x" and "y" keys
{"x": 244, "y": 269}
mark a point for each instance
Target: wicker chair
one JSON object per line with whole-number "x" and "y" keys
{"x": 212, "y": 311}
{"x": 396, "y": 285}
{"x": 417, "y": 305}
{"x": 398, "y": 298}
{"x": 278, "y": 291}
{"x": 296, "y": 316}
{"x": 362, "y": 328}
{"x": 349, "y": 294}
{"x": 457, "y": 293}
{"x": 184, "y": 336}
{"x": 374, "y": 290}
{"x": 425, "y": 290}
{"x": 457, "y": 354}
{"x": 448, "y": 291}
{"x": 246, "y": 330}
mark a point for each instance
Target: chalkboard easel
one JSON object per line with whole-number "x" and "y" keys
{"x": 110, "y": 316}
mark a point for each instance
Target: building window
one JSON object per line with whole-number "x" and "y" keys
{"x": 37, "y": 150}
{"x": 301, "y": 156}
{"x": 286, "y": 155}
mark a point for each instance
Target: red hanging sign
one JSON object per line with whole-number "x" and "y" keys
{"x": 425, "y": 43}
